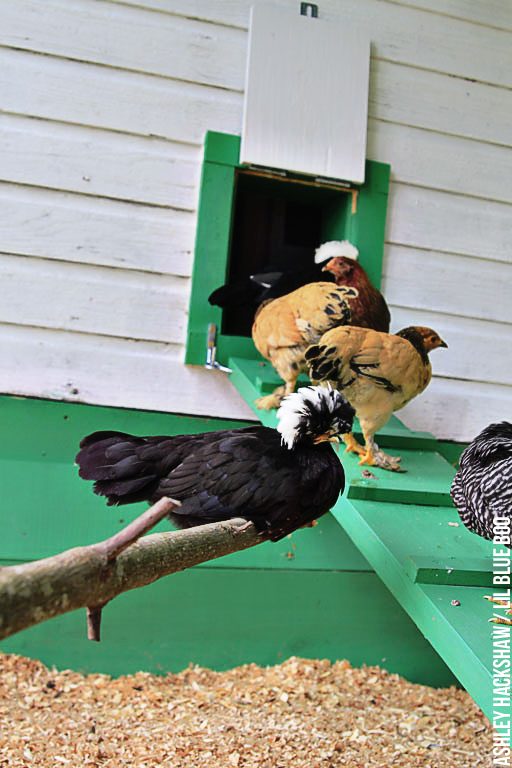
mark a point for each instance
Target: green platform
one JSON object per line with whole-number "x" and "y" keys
{"x": 408, "y": 530}
{"x": 313, "y": 594}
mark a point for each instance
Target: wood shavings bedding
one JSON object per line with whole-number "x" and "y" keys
{"x": 302, "y": 713}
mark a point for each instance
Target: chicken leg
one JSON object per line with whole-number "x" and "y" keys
{"x": 376, "y": 457}
{"x": 267, "y": 402}
{"x": 500, "y": 619}
{"x": 352, "y": 446}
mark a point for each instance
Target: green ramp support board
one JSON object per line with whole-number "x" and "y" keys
{"x": 408, "y": 530}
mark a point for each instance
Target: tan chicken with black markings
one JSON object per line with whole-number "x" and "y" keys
{"x": 378, "y": 373}
{"x": 285, "y": 327}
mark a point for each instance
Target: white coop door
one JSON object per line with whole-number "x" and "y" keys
{"x": 306, "y": 95}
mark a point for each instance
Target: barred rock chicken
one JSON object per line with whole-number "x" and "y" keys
{"x": 482, "y": 489}
{"x": 378, "y": 373}
{"x": 278, "y": 479}
{"x": 285, "y": 327}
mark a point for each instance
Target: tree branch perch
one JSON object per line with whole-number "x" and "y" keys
{"x": 120, "y": 541}
{"x": 88, "y": 577}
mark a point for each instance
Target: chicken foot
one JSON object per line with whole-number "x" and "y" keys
{"x": 268, "y": 402}
{"x": 352, "y": 446}
{"x": 500, "y": 619}
{"x": 376, "y": 457}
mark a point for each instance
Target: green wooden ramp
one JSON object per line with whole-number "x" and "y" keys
{"x": 406, "y": 527}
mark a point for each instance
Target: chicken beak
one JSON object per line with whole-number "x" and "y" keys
{"x": 326, "y": 438}
{"x": 327, "y": 267}
{"x": 443, "y": 344}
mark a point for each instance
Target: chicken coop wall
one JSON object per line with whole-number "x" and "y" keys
{"x": 105, "y": 108}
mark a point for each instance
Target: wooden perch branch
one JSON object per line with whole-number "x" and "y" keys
{"x": 113, "y": 546}
{"x": 88, "y": 577}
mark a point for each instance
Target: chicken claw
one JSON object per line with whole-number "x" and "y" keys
{"x": 268, "y": 402}
{"x": 352, "y": 446}
{"x": 375, "y": 457}
{"x": 500, "y": 619}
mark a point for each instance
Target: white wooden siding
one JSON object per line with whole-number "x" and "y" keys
{"x": 105, "y": 104}
{"x": 92, "y": 299}
{"x": 101, "y": 369}
{"x": 88, "y": 230}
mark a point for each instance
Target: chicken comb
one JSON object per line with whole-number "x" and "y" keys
{"x": 335, "y": 248}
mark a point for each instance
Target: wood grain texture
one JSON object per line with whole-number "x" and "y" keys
{"x": 83, "y": 576}
{"x": 127, "y": 102}
{"x": 457, "y": 410}
{"x": 134, "y": 305}
{"x": 440, "y": 161}
{"x": 83, "y": 229}
{"x": 457, "y": 285}
{"x": 399, "y": 33}
{"x": 43, "y": 86}
{"x": 434, "y": 101}
{"x": 452, "y": 224}
{"x": 77, "y": 159}
{"x": 110, "y": 34}
{"x": 492, "y": 13}
{"x": 112, "y": 371}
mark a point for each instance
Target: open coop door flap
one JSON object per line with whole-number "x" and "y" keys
{"x": 306, "y": 95}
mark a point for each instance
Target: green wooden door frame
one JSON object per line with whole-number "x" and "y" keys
{"x": 364, "y": 227}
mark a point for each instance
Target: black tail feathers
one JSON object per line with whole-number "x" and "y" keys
{"x": 114, "y": 461}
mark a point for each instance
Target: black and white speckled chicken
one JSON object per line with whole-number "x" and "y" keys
{"x": 482, "y": 489}
{"x": 278, "y": 479}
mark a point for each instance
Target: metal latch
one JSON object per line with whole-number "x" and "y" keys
{"x": 305, "y": 7}
{"x": 211, "y": 351}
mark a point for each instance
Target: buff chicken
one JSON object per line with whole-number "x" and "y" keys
{"x": 378, "y": 373}
{"x": 335, "y": 261}
{"x": 284, "y": 328}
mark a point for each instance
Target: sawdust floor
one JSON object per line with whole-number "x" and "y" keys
{"x": 301, "y": 713}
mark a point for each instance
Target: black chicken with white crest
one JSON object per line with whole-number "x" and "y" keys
{"x": 279, "y": 480}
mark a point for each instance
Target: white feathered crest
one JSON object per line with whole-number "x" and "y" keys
{"x": 335, "y": 248}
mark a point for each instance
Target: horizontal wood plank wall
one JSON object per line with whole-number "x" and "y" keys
{"x": 104, "y": 107}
